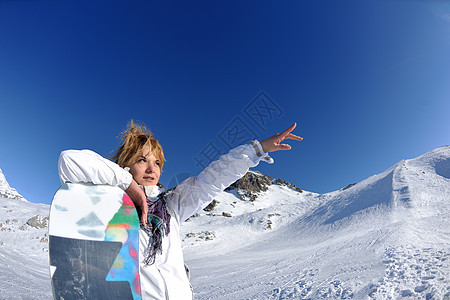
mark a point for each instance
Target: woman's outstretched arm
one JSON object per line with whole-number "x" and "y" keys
{"x": 196, "y": 192}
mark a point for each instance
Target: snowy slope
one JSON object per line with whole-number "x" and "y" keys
{"x": 23, "y": 250}
{"x": 23, "y": 246}
{"x": 386, "y": 237}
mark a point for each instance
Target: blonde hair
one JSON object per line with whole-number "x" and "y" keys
{"x": 134, "y": 139}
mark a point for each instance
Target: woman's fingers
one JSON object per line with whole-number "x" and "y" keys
{"x": 137, "y": 195}
{"x": 273, "y": 143}
{"x": 288, "y": 135}
{"x": 294, "y": 137}
{"x": 285, "y": 133}
{"x": 144, "y": 209}
{"x": 283, "y": 147}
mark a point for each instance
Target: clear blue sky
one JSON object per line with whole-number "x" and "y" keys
{"x": 368, "y": 83}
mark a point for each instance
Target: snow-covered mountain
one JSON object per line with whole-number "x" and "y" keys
{"x": 6, "y": 191}
{"x": 387, "y": 237}
{"x": 23, "y": 246}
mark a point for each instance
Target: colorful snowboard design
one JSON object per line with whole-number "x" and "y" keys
{"x": 93, "y": 243}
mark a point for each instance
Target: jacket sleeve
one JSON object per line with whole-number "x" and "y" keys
{"x": 87, "y": 166}
{"x": 196, "y": 192}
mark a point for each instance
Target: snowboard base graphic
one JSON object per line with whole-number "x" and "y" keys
{"x": 93, "y": 243}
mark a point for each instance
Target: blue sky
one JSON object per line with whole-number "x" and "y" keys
{"x": 366, "y": 81}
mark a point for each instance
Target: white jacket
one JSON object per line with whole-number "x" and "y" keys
{"x": 166, "y": 278}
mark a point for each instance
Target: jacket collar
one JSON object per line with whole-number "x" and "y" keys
{"x": 153, "y": 191}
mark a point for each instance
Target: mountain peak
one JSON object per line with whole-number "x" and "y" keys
{"x": 6, "y": 191}
{"x": 254, "y": 182}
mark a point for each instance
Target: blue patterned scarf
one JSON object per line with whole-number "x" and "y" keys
{"x": 157, "y": 227}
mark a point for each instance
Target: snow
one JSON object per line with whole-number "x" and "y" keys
{"x": 6, "y": 191}
{"x": 387, "y": 237}
{"x": 23, "y": 250}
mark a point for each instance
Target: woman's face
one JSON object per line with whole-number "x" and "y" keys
{"x": 145, "y": 169}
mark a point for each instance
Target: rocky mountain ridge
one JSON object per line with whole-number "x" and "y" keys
{"x": 253, "y": 183}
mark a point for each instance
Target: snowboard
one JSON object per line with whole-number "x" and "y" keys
{"x": 93, "y": 243}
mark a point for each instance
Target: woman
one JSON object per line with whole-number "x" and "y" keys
{"x": 137, "y": 169}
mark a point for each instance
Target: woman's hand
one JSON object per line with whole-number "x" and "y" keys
{"x": 273, "y": 143}
{"x": 139, "y": 199}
